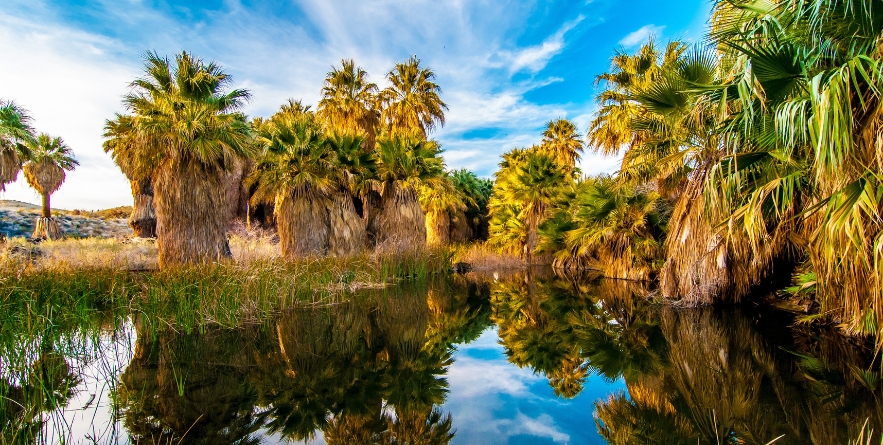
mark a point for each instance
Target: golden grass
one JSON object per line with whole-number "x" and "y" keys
{"x": 84, "y": 253}
{"x": 480, "y": 256}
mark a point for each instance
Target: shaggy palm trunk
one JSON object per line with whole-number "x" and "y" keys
{"x": 370, "y": 209}
{"x": 143, "y": 217}
{"x": 532, "y": 224}
{"x": 347, "y": 231}
{"x": 401, "y": 224}
{"x": 46, "y": 226}
{"x": 461, "y": 230}
{"x": 438, "y": 228}
{"x": 705, "y": 265}
{"x": 304, "y": 224}
{"x": 235, "y": 194}
{"x": 191, "y": 215}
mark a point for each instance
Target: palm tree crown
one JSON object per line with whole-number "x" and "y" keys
{"x": 562, "y": 141}
{"x": 15, "y": 133}
{"x": 182, "y": 114}
{"x": 349, "y": 100}
{"x": 412, "y": 102}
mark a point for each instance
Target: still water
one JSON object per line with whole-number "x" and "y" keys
{"x": 529, "y": 358}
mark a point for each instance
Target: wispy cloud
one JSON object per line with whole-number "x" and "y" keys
{"x": 71, "y": 64}
{"x": 535, "y": 58}
{"x": 637, "y": 37}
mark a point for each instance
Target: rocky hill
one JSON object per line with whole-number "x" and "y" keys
{"x": 17, "y": 219}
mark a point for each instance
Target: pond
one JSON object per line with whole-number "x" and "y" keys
{"x": 527, "y": 358}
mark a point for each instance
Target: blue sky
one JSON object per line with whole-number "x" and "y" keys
{"x": 505, "y": 67}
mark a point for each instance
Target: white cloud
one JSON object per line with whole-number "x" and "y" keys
{"x": 535, "y": 58}
{"x": 72, "y": 80}
{"x": 641, "y": 35}
{"x": 69, "y": 84}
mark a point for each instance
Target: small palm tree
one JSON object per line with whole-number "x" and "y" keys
{"x": 563, "y": 143}
{"x": 403, "y": 162}
{"x": 412, "y": 102}
{"x": 15, "y": 134}
{"x": 298, "y": 171}
{"x": 536, "y": 183}
{"x": 50, "y": 158}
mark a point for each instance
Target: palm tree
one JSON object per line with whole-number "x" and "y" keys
{"x": 355, "y": 169}
{"x": 186, "y": 135}
{"x": 616, "y": 229}
{"x": 120, "y": 143}
{"x": 611, "y": 130}
{"x": 412, "y": 102}
{"x": 15, "y": 134}
{"x": 443, "y": 203}
{"x": 298, "y": 171}
{"x": 802, "y": 158}
{"x": 475, "y": 219}
{"x": 349, "y": 102}
{"x": 404, "y": 160}
{"x": 563, "y": 143}
{"x": 50, "y": 157}
{"x": 536, "y": 183}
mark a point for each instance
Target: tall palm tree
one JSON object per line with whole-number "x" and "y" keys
{"x": 412, "y": 101}
{"x": 349, "y": 102}
{"x": 803, "y": 148}
{"x": 563, "y": 143}
{"x": 15, "y": 134}
{"x": 297, "y": 170}
{"x": 187, "y": 135}
{"x": 404, "y": 160}
{"x": 50, "y": 157}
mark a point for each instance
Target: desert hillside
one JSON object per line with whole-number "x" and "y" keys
{"x": 17, "y": 219}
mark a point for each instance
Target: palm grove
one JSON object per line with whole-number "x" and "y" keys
{"x": 343, "y": 177}
{"x": 754, "y": 156}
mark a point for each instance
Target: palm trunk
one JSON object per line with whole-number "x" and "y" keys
{"x": 401, "y": 224}
{"x": 303, "y": 223}
{"x": 143, "y": 218}
{"x": 47, "y": 211}
{"x": 438, "y": 228}
{"x": 347, "y": 235}
{"x": 192, "y": 215}
{"x": 46, "y": 228}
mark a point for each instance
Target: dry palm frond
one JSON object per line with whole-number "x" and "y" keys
{"x": 400, "y": 224}
{"x": 45, "y": 177}
{"x": 10, "y": 166}
{"x": 192, "y": 216}
{"x": 347, "y": 231}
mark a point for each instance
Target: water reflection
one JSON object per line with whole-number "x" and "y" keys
{"x": 373, "y": 369}
{"x": 366, "y": 370}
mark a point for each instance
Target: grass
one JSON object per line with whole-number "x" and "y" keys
{"x": 256, "y": 284}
